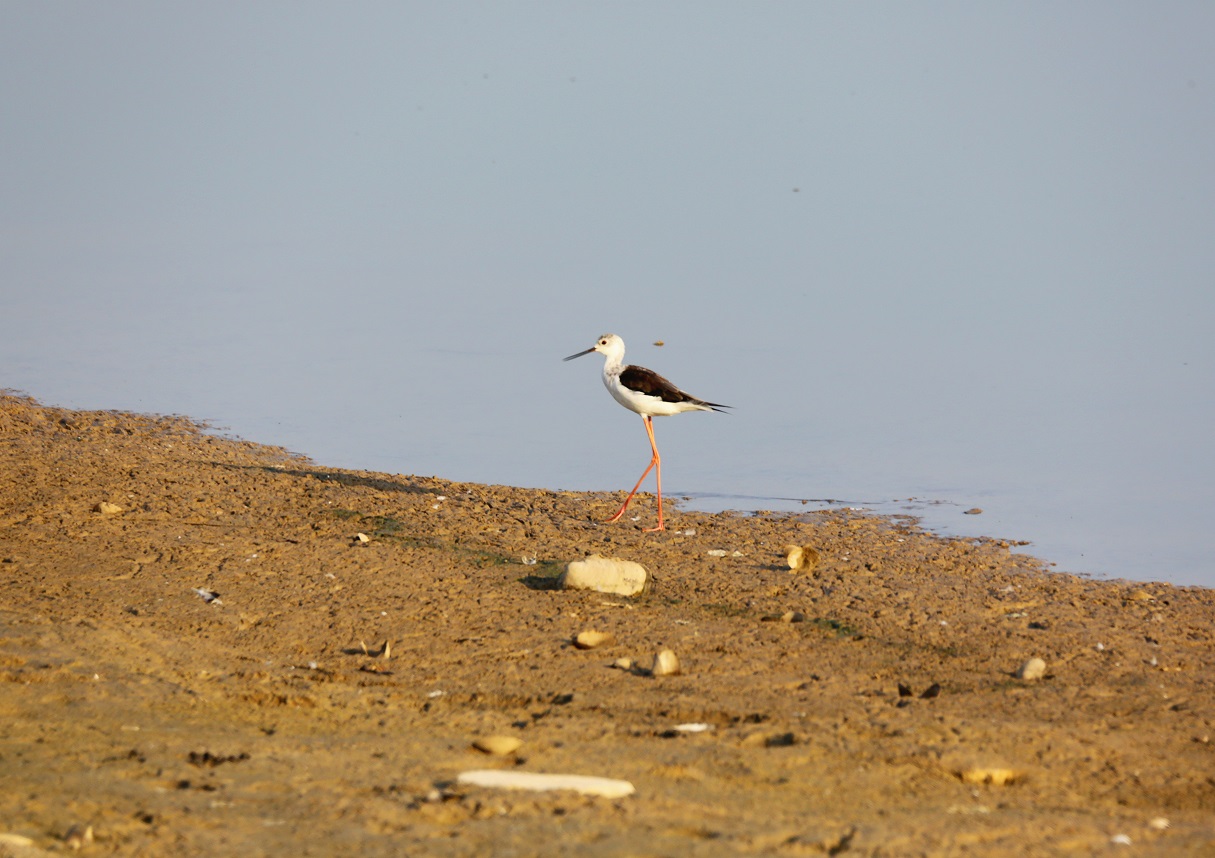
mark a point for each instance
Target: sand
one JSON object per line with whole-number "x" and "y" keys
{"x": 217, "y": 663}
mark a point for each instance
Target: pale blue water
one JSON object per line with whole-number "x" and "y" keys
{"x": 958, "y": 255}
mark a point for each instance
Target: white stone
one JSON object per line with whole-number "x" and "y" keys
{"x": 801, "y": 558}
{"x": 604, "y": 575}
{"x": 666, "y": 663}
{"x": 1035, "y": 668}
{"x": 498, "y": 745}
{"x": 585, "y": 784}
{"x": 590, "y": 639}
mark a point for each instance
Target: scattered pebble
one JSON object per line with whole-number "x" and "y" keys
{"x": 801, "y": 558}
{"x": 1034, "y": 668}
{"x": 107, "y": 508}
{"x": 362, "y": 538}
{"x": 1120, "y": 840}
{"x": 498, "y": 745}
{"x": 604, "y": 575}
{"x": 584, "y": 784}
{"x": 1159, "y": 823}
{"x": 78, "y": 836}
{"x": 988, "y": 775}
{"x": 623, "y": 664}
{"x": 693, "y": 728}
{"x": 590, "y": 639}
{"x": 666, "y": 663}
{"x": 717, "y": 552}
{"x": 765, "y": 739}
{"x": 792, "y": 617}
{"x": 207, "y": 596}
{"x": 974, "y": 510}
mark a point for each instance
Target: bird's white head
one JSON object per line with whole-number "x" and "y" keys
{"x": 608, "y": 345}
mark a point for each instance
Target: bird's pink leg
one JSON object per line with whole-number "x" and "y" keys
{"x": 657, "y": 462}
{"x": 654, "y": 460}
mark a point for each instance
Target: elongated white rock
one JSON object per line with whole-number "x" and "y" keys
{"x": 604, "y": 575}
{"x": 585, "y": 784}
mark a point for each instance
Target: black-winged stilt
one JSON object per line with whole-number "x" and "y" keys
{"x": 650, "y": 395}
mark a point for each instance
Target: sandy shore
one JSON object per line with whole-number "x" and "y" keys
{"x": 867, "y": 706}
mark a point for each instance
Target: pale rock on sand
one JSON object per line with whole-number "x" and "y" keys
{"x": 585, "y": 784}
{"x": 1034, "y": 668}
{"x": 604, "y": 575}
{"x": 590, "y": 639}
{"x": 498, "y": 745}
{"x": 666, "y": 663}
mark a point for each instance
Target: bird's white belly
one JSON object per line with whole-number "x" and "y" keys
{"x": 640, "y": 402}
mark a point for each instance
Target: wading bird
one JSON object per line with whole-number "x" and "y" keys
{"x": 650, "y": 395}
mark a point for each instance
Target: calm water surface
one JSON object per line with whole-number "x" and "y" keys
{"x": 937, "y": 257}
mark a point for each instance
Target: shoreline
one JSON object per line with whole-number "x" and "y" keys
{"x": 331, "y": 694}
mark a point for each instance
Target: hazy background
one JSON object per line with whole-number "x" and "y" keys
{"x": 956, "y": 252}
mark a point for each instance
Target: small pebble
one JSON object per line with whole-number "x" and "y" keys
{"x": 78, "y": 836}
{"x": 988, "y": 775}
{"x": 666, "y": 663}
{"x": 792, "y": 617}
{"x": 591, "y": 639}
{"x": 801, "y": 558}
{"x": 362, "y": 538}
{"x": 974, "y": 510}
{"x": 207, "y": 596}
{"x": 498, "y": 745}
{"x": 1120, "y": 840}
{"x": 107, "y": 508}
{"x": 1159, "y": 823}
{"x": 623, "y": 664}
{"x": 1034, "y": 668}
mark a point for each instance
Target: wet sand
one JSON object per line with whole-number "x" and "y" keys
{"x": 867, "y": 706}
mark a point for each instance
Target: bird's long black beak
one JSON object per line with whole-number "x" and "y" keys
{"x": 579, "y": 354}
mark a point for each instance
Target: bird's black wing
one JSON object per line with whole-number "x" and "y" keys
{"x": 647, "y": 381}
